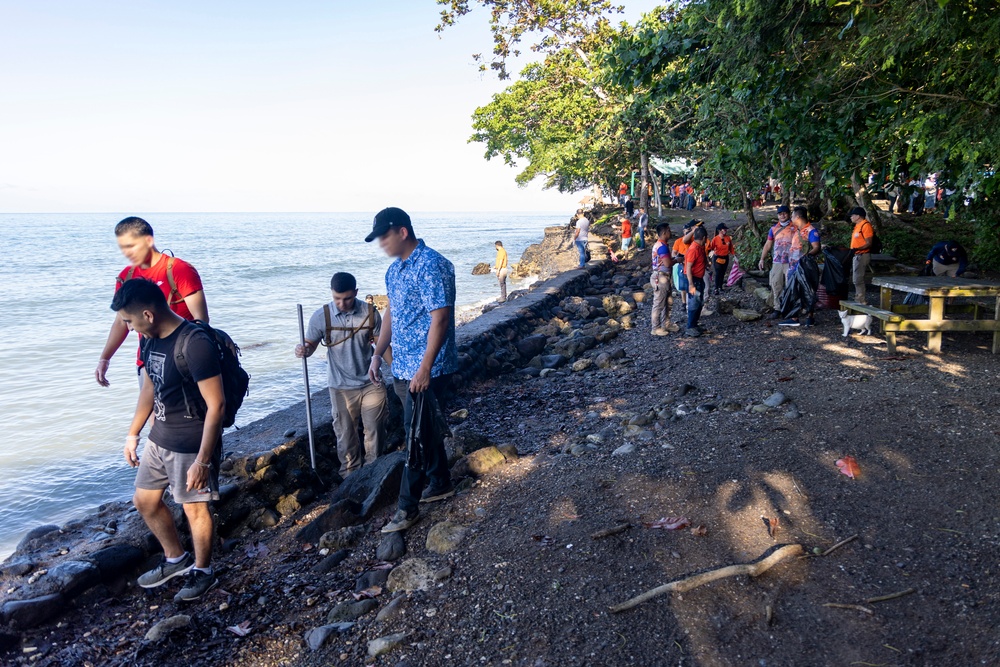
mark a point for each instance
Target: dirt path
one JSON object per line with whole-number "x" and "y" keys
{"x": 529, "y": 586}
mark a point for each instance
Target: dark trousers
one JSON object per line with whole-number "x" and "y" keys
{"x": 436, "y": 470}
{"x": 720, "y": 271}
{"x": 695, "y": 302}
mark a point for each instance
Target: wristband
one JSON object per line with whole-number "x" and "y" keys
{"x": 132, "y": 437}
{"x": 376, "y": 356}
{"x": 203, "y": 465}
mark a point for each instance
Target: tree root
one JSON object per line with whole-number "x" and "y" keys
{"x": 686, "y": 584}
{"x": 608, "y": 532}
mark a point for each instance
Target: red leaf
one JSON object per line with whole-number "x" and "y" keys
{"x": 668, "y": 523}
{"x": 849, "y": 467}
{"x": 772, "y": 524}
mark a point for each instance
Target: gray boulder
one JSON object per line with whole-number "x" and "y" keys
{"x": 392, "y": 547}
{"x": 375, "y": 486}
{"x": 342, "y": 513}
{"x": 24, "y": 614}
{"x": 532, "y": 345}
{"x": 316, "y": 637}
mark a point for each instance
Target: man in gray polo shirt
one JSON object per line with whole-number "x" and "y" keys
{"x": 346, "y": 327}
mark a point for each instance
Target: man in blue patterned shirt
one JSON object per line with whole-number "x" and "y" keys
{"x": 419, "y": 323}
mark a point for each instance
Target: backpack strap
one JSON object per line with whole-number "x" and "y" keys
{"x": 180, "y": 361}
{"x": 128, "y": 276}
{"x": 367, "y": 323}
{"x": 172, "y": 283}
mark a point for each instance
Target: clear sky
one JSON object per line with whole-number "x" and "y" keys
{"x": 185, "y": 105}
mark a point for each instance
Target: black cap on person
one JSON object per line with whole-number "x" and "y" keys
{"x": 386, "y": 219}
{"x": 784, "y": 209}
{"x": 721, "y": 226}
{"x": 857, "y": 210}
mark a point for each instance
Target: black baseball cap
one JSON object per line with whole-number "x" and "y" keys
{"x": 387, "y": 219}
{"x": 784, "y": 209}
{"x": 721, "y": 225}
{"x": 857, "y": 210}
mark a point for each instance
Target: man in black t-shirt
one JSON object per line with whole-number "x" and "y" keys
{"x": 184, "y": 446}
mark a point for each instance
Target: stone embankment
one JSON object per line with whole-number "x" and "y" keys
{"x": 267, "y": 475}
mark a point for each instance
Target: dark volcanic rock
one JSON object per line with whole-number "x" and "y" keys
{"x": 392, "y": 547}
{"x": 374, "y": 486}
{"x": 532, "y": 345}
{"x": 74, "y": 576}
{"x": 341, "y": 514}
{"x": 331, "y": 561}
{"x": 29, "y": 613}
{"x": 116, "y": 561}
{"x": 34, "y": 534}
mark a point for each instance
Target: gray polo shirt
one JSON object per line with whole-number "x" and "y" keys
{"x": 347, "y": 361}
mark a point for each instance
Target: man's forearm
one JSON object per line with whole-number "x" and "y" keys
{"x": 210, "y": 433}
{"x": 117, "y": 336}
{"x": 385, "y": 335}
{"x": 143, "y": 407}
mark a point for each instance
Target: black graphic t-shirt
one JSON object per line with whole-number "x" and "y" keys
{"x": 173, "y": 428}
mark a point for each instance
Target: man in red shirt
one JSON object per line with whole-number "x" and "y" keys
{"x": 178, "y": 280}
{"x": 695, "y": 263}
{"x": 626, "y": 224}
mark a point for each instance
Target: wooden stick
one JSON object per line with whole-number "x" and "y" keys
{"x": 686, "y": 584}
{"x": 608, "y": 532}
{"x": 855, "y": 607}
{"x": 891, "y": 596}
{"x": 838, "y": 545}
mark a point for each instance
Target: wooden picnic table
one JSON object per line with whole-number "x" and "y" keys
{"x": 937, "y": 289}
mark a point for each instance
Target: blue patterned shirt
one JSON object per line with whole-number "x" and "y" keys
{"x": 423, "y": 282}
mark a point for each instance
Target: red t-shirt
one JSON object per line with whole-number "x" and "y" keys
{"x": 695, "y": 256}
{"x": 186, "y": 279}
{"x": 626, "y": 229}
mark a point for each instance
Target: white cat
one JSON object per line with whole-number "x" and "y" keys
{"x": 862, "y": 322}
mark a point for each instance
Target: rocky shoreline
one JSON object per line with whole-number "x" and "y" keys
{"x": 266, "y": 471}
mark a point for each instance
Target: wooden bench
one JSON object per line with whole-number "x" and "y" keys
{"x": 890, "y": 321}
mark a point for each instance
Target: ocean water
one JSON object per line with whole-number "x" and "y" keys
{"x": 61, "y": 435}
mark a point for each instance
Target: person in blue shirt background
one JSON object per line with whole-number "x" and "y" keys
{"x": 948, "y": 258}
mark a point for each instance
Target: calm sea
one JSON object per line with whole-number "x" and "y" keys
{"x": 61, "y": 434}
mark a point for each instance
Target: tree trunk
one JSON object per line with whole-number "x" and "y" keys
{"x": 643, "y": 175}
{"x": 864, "y": 200}
{"x": 656, "y": 194}
{"x": 751, "y": 220}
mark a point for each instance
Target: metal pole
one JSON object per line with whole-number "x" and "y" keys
{"x": 305, "y": 378}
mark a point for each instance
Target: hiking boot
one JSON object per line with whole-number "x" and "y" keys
{"x": 432, "y": 494}
{"x": 789, "y": 322}
{"x": 660, "y": 331}
{"x": 401, "y": 521}
{"x": 672, "y": 327}
{"x": 692, "y": 332}
{"x": 165, "y": 571}
{"x": 196, "y": 584}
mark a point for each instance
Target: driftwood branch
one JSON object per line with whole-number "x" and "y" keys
{"x": 891, "y": 596}
{"x": 608, "y": 532}
{"x": 839, "y": 544}
{"x": 682, "y": 585}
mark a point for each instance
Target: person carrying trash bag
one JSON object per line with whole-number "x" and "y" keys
{"x": 802, "y": 283}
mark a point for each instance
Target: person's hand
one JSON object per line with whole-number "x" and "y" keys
{"x": 375, "y": 369}
{"x": 197, "y": 476}
{"x": 692, "y": 290}
{"x": 100, "y": 373}
{"x": 760, "y": 264}
{"x": 300, "y": 351}
{"x": 421, "y": 381}
{"x": 131, "y": 444}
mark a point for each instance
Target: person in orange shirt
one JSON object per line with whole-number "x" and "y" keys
{"x": 722, "y": 250}
{"x": 861, "y": 244}
{"x": 626, "y": 235}
{"x": 622, "y": 191}
{"x": 695, "y": 264}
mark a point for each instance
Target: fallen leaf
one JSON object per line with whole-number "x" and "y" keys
{"x": 307, "y": 547}
{"x": 785, "y": 379}
{"x": 772, "y": 524}
{"x": 699, "y": 530}
{"x": 368, "y": 593}
{"x": 849, "y": 467}
{"x": 545, "y": 540}
{"x": 241, "y": 630}
{"x": 668, "y": 523}
{"x": 791, "y": 358}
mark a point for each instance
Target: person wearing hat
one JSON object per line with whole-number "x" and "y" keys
{"x": 779, "y": 243}
{"x": 721, "y": 250}
{"x": 861, "y": 244}
{"x": 947, "y": 258}
{"x": 419, "y": 323}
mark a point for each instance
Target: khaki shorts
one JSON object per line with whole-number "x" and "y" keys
{"x": 161, "y": 468}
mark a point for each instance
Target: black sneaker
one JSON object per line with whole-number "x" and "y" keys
{"x": 432, "y": 494}
{"x": 789, "y": 322}
{"x": 165, "y": 571}
{"x": 196, "y": 584}
{"x": 810, "y": 321}
{"x": 401, "y": 521}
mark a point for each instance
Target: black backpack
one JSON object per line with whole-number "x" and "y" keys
{"x": 235, "y": 380}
